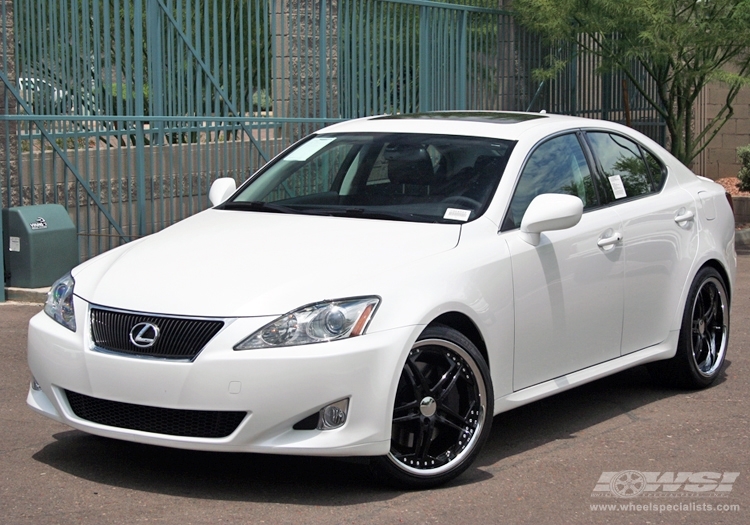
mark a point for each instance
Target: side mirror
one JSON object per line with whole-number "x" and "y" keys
{"x": 550, "y": 211}
{"x": 221, "y": 189}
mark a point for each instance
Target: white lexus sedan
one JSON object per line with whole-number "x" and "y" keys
{"x": 387, "y": 285}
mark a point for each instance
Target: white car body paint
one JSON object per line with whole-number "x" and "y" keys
{"x": 551, "y": 316}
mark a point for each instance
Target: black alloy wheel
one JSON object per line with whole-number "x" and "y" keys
{"x": 704, "y": 335}
{"x": 442, "y": 412}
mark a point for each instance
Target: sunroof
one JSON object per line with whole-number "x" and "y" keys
{"x": 469, "y": 116}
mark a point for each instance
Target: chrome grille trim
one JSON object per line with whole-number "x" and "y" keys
{"x": 180, "y": 339}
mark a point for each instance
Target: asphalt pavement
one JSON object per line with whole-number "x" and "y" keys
{"x": 619, "y": 450}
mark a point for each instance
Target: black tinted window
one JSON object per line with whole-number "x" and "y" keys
{"x": 401, "y": 176}
{"x": 622, "y": 164}
{"x": 556, "y": 166}
{"x": 656, "y": 169}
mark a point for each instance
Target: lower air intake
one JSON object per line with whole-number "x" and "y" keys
{"x": 170, "y": 421}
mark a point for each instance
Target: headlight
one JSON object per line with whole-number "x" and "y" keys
{"x": 59, "y": 304}
{"x": 316, "y": 323}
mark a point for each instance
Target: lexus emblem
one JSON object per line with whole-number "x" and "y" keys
{"x": 144, "y": 335}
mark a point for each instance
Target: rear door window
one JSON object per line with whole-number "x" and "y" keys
{"x": 622, "y": 164}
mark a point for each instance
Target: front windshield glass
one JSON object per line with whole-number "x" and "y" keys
{"x": 403, "y": 176}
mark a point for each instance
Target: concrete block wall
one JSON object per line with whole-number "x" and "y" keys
{"x": 719, "y": 160}
{"x": 742, "y": 210}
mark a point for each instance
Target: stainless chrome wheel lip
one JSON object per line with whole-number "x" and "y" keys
{"x": 710, "y": 332}
{"x": 427, "y": 471}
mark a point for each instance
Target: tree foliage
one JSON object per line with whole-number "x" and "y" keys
{"x": 744, "y": 174}
{"x": 683, "y": 45}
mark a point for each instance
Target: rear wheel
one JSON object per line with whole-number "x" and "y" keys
{"x": 442, "y": 412}
{"x": 704, "y": 335}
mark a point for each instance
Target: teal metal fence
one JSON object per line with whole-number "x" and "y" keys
{"x": 125, "y": 111}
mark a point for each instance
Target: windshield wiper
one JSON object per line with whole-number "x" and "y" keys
{"x": 362, "y": 213}
{"x": 257, "y": 206}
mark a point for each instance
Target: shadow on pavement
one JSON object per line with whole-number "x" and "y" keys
{"x": 212, "y": 475}
{"x": 564, "y": 415}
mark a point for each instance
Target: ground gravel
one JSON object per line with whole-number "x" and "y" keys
{"x": 732, "y": 186}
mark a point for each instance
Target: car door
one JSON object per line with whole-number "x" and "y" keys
{"x": 568, "y": 289}
{"x": 659, "y": 235}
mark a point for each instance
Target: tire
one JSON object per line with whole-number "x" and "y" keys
{"x": 704, "y": 336}
{"x": 442, "y": 412}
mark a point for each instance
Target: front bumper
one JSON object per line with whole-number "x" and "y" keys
{"x": 275, "y": 387}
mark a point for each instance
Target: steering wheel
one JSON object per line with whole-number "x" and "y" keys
{"x": 463, "y": 200}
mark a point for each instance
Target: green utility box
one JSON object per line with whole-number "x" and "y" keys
{"x": 40, "y": 245}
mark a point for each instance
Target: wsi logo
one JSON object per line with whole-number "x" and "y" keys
{"x": 40, "y": 224}
{"x": 632, "y": 483}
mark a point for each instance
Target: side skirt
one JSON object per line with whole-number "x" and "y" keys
{"x": 664, "y": 350}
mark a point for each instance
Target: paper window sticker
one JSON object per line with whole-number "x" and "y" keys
{"x": 455, "y": 214}
{"x": 618, "y": 188}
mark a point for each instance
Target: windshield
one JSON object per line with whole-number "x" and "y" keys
{"x": 403, "y": 176}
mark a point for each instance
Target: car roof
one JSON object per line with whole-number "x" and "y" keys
{"x": 496, "y": 124}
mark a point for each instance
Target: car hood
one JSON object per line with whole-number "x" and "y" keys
{"x": 236, "y": 263}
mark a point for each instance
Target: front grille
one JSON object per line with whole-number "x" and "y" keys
{"x": 170, "y": 421}
{"x": 179, "y": 337}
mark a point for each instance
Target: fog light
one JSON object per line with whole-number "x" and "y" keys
{"x": 333, "y": 416}
{"x": 34, "y": 385}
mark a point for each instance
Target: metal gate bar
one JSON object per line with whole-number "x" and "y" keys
{"x": 127, "y": 110}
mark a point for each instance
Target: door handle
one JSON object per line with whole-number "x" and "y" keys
{"x": 683, "y": 215}
{"x": 605, "y": 242}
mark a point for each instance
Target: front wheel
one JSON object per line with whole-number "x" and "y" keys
{"x": 442, "y": 413}
{"x": 704, "y": 335}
